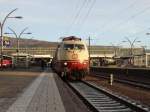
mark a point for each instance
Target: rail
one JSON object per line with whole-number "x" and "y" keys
{"x": 101, "y": 100}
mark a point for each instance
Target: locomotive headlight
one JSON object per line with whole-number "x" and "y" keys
{"x": 81, "y": 60}
{"x": 84, "y": 63}
{"x": 65, "y": 63}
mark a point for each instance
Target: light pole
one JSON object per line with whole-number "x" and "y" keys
{"x": 144, "y": 49}
{"x": 18, "y": 36}
{"x": 115, "y": 47}
{"x": 147, "y": 34}
{"x": 89, "y": 49}
{"x": 1, "y": 29}
{"x": 27, "y": 44}
{"x": 131, "y": 47}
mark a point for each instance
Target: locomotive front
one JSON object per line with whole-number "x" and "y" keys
{"x": 73, "y": 55}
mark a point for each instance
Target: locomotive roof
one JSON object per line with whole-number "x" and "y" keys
{"x": 71, "y": 38}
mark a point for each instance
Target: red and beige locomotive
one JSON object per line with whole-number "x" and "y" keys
{"x": 71, "y": 58}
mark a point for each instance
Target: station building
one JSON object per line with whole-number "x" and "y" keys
{"x": 122, "y": 57}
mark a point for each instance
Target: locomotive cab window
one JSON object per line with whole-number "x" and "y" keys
{"x": 68, "y": 46}
{"x": 74, "y": 46}
{"x": 79, "y": 46}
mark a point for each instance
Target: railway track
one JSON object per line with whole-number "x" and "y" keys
{"x": 129, "y": 82}
{"x": 101, "y": 100}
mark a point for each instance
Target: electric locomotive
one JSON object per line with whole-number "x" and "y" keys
{"x": 71, "y": 59}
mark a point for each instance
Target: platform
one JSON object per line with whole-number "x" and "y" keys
{"x": 41, "y": 96}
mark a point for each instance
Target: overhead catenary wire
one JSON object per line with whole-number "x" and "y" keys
{"x": 135, "y": 15}
{"x": 126, "y": 8}
{"x": 119, "y": 14}
{"x": 83, "y": 12}
{"x": 129, "y": 19}
{"x": 142, "y": 31}
{"x": 91, "y": 6}
{"x": 77, "y": 14}
{"x": 129, "y": 6}
{"x": 81, "y": 16}
{"x": 71, "y": 19}
{"x": 87, "y": 14}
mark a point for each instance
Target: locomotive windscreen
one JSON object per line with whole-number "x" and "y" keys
{"x": 74, "y": 46}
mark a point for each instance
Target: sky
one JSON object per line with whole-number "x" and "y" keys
{"x": 107, "y": 22}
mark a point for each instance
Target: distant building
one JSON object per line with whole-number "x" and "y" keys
{"x": 142, "y": 60}
{"x": 100, "y": 55}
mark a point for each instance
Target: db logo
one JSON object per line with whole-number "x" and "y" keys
{"x": 74, "y": 56}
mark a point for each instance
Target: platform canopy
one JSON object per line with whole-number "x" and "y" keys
{"x": 20, "y": 54}
{"x": 102, "y": 55}
{"x": 42, "y": 56}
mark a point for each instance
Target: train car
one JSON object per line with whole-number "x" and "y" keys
{"x": 71, "y": 58}
{"x": 6, "y": 62}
